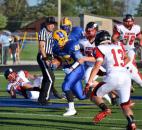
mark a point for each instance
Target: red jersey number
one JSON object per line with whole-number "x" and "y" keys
{"x": 89, "y": 51}
{"x": 118, "y": 56}
{"x": 130, "y": 39}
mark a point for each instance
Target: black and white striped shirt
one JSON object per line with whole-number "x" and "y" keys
{"x": 46, "y": 36}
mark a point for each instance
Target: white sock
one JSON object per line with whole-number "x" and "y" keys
{"x": 107, "y": 98}
{"x": 71, "y": 105}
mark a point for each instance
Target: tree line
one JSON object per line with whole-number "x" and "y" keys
{"x": 16, "y": 13}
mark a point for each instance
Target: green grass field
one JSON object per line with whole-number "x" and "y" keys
{"x": 29, "y": 52}
{"x": 20, "y": 118}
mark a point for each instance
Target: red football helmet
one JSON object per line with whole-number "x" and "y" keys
{"x": 128, "y": 21}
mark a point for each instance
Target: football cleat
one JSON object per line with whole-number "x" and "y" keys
{"x": 70, "y": 112}
{"x": 100, "y": 116}
{"x": 131, "y": 126}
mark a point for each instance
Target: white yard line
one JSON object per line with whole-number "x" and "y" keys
{"x": 59, "y": 74}
{"x": 59, "y": 77}
{"x": 49, "y": 115}
{"x": 116, "y": 128}
{"x": 75, "y": 117}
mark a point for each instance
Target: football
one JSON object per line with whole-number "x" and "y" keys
{"x": 56, "y": 61}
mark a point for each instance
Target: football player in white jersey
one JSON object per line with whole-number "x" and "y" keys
{"x": 87, "y": 46}
{"x": 112, "y": 57}
{"x": 19, "y": 83}
{"x": 127, "y": 33}
{"x": 25, "y": 84}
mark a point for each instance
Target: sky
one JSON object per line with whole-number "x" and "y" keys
{"x": 33, "y": 2}
{"x": 131, "y": 5}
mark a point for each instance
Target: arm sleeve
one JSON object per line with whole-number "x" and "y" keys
{"x": 78, "y": 55}
{"x": 76, "y": 51}
{"x": 98, "y": 54}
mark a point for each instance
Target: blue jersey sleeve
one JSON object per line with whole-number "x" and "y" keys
{"x": 75, "y": 50}
{"x": 55, "y": 49}
{"x": 77, "y": 55}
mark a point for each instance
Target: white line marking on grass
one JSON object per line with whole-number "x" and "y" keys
{"x": 49, "y": 115}
{"x": 59, "y": 74}
{"x": 116, "y": 128}
{"x": 59, "y": 77}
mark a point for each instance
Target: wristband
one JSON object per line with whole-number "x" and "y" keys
{"x": 75, "y": 65}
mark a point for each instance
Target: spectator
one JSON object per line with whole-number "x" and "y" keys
{"x": 13, "y": 47}
{"x": 18, "y": 41}
{"x": 4, "y": 40}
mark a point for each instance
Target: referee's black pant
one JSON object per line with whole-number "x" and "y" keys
{"x": 48, "y": 80}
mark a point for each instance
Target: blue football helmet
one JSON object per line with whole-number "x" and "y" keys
{"x": 66, "y": 24}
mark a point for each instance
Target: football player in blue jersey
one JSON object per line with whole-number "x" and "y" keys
{"x": 69, "y": 53}
{"x": 77, "y": 33}
{"x": 66, "y": 25}
{"x": 74, "y": 32}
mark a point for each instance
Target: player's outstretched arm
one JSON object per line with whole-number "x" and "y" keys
{"x": 85, "y": 59}
{"x": 12, "y": 92}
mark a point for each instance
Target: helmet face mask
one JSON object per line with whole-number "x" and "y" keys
{"x": 10, "y": 75}
{"x": 91, "y": 33}
{"x": 66, "y": 28}
{"x": 60, "y": 38}
{"x": 66, "y": 24}
{"x": 128, "y": 21}
{"x": 91, "y": 29}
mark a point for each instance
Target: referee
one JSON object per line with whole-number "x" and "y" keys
{"x": 43, "y": 58}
